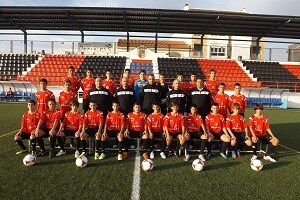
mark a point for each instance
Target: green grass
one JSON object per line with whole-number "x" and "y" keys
{"x": 58, "y": 178}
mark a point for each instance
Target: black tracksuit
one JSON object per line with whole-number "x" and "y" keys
{"x": 202, "y": 98}
{"x": 177, "y": 96}
{"x": 164, "y": 90}
{"x": 149, "y": 93}
{"x": 125, "y": 97}
{"x": 103, "y": 99}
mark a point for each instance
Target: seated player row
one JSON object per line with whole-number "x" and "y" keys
{"x": 185, "y": 129}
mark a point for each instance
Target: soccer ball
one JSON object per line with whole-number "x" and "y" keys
{"x": 147, "y": 165}
{"x": 29, "y": 160}
{"x": 256, "y": 165}
{"x": 198, "y": 165}
{"x": 81, "y": 161}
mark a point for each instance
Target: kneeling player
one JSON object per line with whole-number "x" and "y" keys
{"x": 136, "y": 127}
{"x": 216, "y": 129}
{"x": 235, "y": 125}
{"x": 114, "y": 127}
{"x": 29, "y": 130}
{"x": 51, "y": 120}
{"x": 71, "y": 125}
{"x": 174, "y": 128}
{"x": 194, "y": 123}
{"x": 258, "y": 126}
{"x": 92, "y": 127}
{"x": 155, "y": 122}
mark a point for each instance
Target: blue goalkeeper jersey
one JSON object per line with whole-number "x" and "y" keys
{"x": 138, "y": 85}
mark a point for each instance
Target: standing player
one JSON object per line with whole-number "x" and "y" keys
{"x": 176, "y": 95}
{"x": 149, "y": 93}
{"x": 201, "y": 97}
{"x": 164, "y": 89}
{"x": 101, "y": 96}
{"x": 51, "y": 121}
{"x": 258, "y": 126}
{"x": 222, "y": 100}
{"x": 192, "y": 84}
{"x": 155, "y": 123}
{"x": 92, "y": 127}
{"x": 237, "y": 97}
{"x": 43, "y": 96}
{"x": 174, "y": 127}
{"x": 125, "y": 96}
{"x": 182, "y": 85}
{"x": 72, "y": 125}
{"x": 65, "y": 98}
{"x": 109, "y": 83}
{"x": 236, "y": 124}
{"x": 126, "y": 74}
{"x": 87, "y": 83}
{"x": 75, "y": 80}
{"x": 194, "y": 124}
{"x": 136, "y": 127}
{"x": 29, "y": 130}
{"x": 216, "y": 129}
{"x": 211, "y": 84}
{"x": 114, "y": 127}
{"x": 139, "y": 84}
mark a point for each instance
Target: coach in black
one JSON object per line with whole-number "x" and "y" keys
{"x": 201, "y": 97}
{"x": 164, "y": 89}
{"x": 101, "y": 96}
{"x": 150, "y": 93}
{"x": 176, "y": 95}
{"x": 125, "y": 96}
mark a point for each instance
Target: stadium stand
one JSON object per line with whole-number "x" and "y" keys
{"x": 100, "y": 64}
{"x": 138, "y": 65}
{"x": 294, "y": 69}
{"x": 53, "y": 67}
{"x": 12, "y": 65}
{"x": 228, "y": 71}
{"x": 171, "y": 66}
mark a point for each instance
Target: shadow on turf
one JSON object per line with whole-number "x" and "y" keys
{"x": 221, "y": 165}
{"x": 172, "y": 166}
{"x": 55, "y": 161}
{"x": 271, "y": 166}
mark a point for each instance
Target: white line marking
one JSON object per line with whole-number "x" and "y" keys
{"x": 135, "y": 193}
{"x": 289, "y": 148}
{"x": 1, "y": 136}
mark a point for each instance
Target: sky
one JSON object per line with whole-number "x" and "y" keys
{"x": 273, "y": 7}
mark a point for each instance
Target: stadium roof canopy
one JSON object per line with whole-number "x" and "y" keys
{"x": 149, "y": 20}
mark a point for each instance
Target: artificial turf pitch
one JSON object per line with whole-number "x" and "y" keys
{"x": 172, "y": 178}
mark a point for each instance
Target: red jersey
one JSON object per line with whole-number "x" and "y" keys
{"x": 240, "y": 99}
{"x": 110, "y": 85}
{"x": 92, "y": 119}
{"x": 114, "y": 121}
{"x": 212, "y": 86}
{"x": 136, "y": 122}
{"x": 190, "y": 86}
{"x": 75, "y": 83}
{"x": 42, "y": 98}
{"x": 215, "y": 122}
{"x": 184, "y": 86}
{"x": 30, "y": 121}
{"x": 155, "y": 122}
{"x": 174, "y": 123}
{"x": 64, "y": 100}
{"x": 223, "y": 101}
{"x": 193, "y": 123}
{"x": 73, "y": 121}
{"x": 259, "y": 125}
{"x": 49, "y": 118}
{"x": 130, "y": 83}
{"x": 86, "y": 85}
{"x": 236, "y": 123}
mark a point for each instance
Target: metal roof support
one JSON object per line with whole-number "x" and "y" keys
{"x": 201, "y": 45}
{"x": 156, "y": 34}
{"x": 275, "y": 28}
{"x": 127, "y": 30}
{"x": 257, "y": 48}
{"x": 215, "y": 21}
{"x": 82, "y": 36}
{"x": 25, "y": 42}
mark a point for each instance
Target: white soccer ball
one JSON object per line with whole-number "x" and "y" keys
{"x": 81, "y": 161}
{"x": 256, "y": 165}
{"x": 198, "y": 165}
{"x": 29, "y": 160}
{"x": 147, "y": 165}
